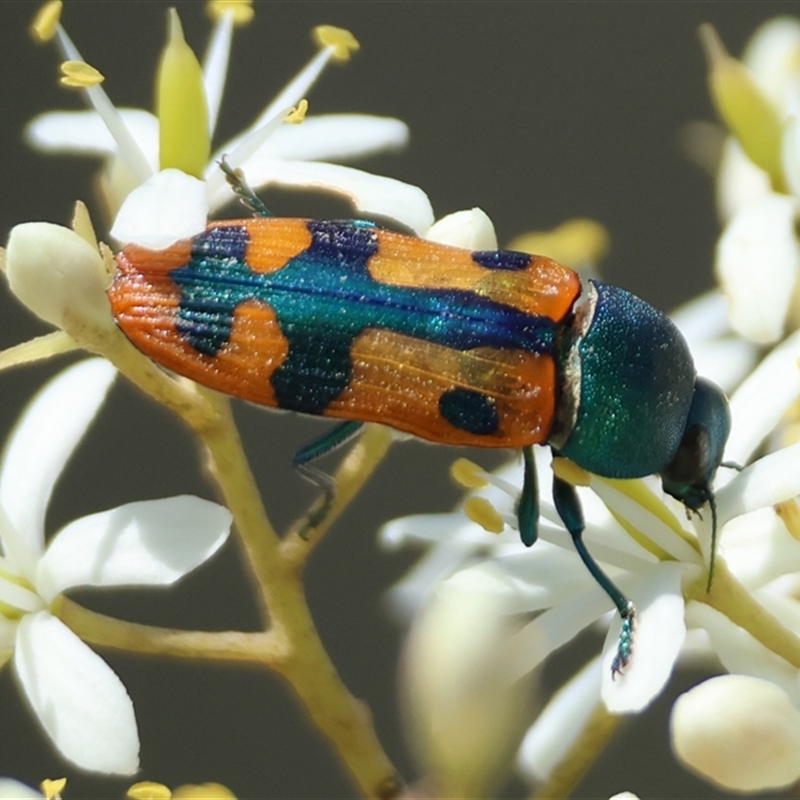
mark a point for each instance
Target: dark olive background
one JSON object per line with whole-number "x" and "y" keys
{"x": 536, "y": 112}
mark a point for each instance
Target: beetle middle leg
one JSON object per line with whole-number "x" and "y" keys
{"x": 328, "y": 442}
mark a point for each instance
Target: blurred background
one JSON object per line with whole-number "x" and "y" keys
{"x": 534, "y": 111}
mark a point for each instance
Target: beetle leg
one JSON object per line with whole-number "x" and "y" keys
{"x": 329, "y": 441}
{"x": 528, "y": 504}
{"x": 237, "y": 182}
{"x": 569, "y": 509}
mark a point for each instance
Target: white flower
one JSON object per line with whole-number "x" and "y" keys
{"x": 654, "y": 554}
{"x": 758, "y": 254}
{"x": 139, "y": 149}
{"x": 462, "y": 712}
{"x": 80, "y": 702}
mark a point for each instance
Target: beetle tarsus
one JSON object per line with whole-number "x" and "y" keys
{"x": 625, "y": 642}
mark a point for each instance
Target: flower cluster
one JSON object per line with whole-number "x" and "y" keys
{"x": 750, "y": 618}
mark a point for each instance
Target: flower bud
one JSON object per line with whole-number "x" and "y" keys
{"x": 58, "y": 275}
{"x": 739, "y": 732}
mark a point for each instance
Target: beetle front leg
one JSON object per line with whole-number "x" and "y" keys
{"x": 569, "y": 509}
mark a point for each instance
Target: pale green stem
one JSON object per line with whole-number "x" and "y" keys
{"x": 729, "y": 597}
{"x": 585, "y": 750}
{"x": 221, "y": 646}
{"x": 303, "y": 661}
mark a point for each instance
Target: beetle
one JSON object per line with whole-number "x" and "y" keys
{"x": 494, "y": 349}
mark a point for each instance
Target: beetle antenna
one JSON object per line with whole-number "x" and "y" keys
{"x": 712, "y": 502}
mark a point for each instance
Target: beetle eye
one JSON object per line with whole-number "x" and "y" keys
{"x": 688, "y": 476}
{"x": 691, "y": 462}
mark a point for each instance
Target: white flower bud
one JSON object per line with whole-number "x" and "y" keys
{"x": 463, "y": 711}
{"x": 739, "y": 732}
{"x": 471, "y": 229}
{"x": 58, "y": 275}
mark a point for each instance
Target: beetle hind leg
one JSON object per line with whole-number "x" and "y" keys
{"x": 569, "y": 509}
{"x": 329, "y": 441}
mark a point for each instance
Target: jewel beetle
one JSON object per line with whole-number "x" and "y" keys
{"x": 491, "y": 349}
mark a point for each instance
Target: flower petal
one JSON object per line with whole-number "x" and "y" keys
{"x": 80, "y": 702}
{"x": 757, "y": 261}
{"x": 739, "y": 652}
{"x": 740, "y": 182}
{"x": 14, "y": 790}
{"x": 370, "y": 194}
{"x": 147, "y": 544}
{"x": 170, "y": 206}
{"x": 557, "y": 626}
{"x": 85, "y": 133}
{"x": 659, "y": 635}
{"x": 759, "y": 403}
{"x": 563, "y": 719}
{"x": 768, "y": 481}
{"x": 471, "y": 229}
{"x": 48, "y": 431}
{"x": 338, "y": 137}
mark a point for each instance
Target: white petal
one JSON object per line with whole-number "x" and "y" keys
{"x": 703, "y": 317}
{"x": 768, "y": 481}
{"x": 726, "y": 362}
{"x": 80, "y": 702}
{"x": 14, "y": 790}
{"x": 471, "y": 229}
{"x": 338, "y": 137}
{"x": 740, "y": 182}
{"x": 85, "y": 133}
{"x": 563, "y": 719}
{"x": 215, "y": 67}
{"x": 46, "y": 434}
{"x": 170, "y": 206}
{"x": 739, "y": 652}
{"x": 58, "y": 275}
{"x": 739, "y": 732}
{"x": 757, "y": 261}
{"x": 146, "y": 544}
{"x": 771, "y": 56}
{"x": 658, "y": 637}
{"x": 758, "y": 548}
{"x": 557, "y": 626}
{"x": 790, "y": 155}
{"x": 370, "y": 194}
{"x": 759, "y": 403}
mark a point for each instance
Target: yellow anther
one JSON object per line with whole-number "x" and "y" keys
{"x": 297, "y": 114}
{"x": 44, "y": 24}
{"x": 483, "y": 513}
{"x": 205, "y": 791}
{"x": 149, "y": 790}
{"x": 574, "y": 242}
{"x": 342, "y": 41}
{"x": 241, "y": 10}
{"x": 80, "y": 75}
{"x": 184, "y": 142}
{"x": 789, "y": 512}
{"x": 744, "y": 108}
{"x": 468, "y": 474}
{"x": 52, "y": 789}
